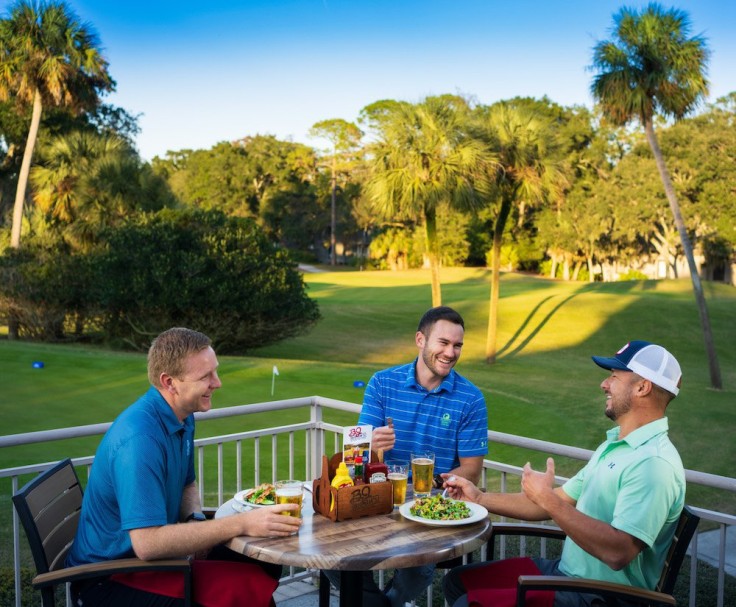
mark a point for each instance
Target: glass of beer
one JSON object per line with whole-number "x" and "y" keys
{"x": 422, "y": 473}
{"x": 398, "y": 474}
{"x": 290, "y": 492}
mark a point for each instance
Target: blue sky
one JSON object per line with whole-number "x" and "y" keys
{"x": 216, "y": 70}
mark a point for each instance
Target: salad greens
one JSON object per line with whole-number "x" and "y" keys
{"x": 264, "y": 494}
{"x": 438, "y": 508}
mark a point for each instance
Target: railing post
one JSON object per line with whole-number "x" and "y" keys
{"x": 318, "y": 447}
{"x": 16, "y": 544}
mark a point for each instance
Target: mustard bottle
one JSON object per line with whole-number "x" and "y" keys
{"x": 342, "y": 479}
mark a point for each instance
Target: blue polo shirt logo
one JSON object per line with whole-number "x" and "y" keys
{"x": 445, "y": 421}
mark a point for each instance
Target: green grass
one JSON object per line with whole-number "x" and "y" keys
{"x": 544, "y": 384}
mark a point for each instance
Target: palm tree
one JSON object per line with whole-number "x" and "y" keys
{"x": 652, "y": 66}
{"x": 84, "y": 181}
{"x": 47, "y": 58}
{"x": 527, "y": 175}
{"x": 425, "y": 158}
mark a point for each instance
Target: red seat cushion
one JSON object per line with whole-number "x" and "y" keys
{"x": 214, "y": 583}
{"x": 495, "y": 584}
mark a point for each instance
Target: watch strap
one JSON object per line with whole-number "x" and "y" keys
{"x": 196, "y": 516}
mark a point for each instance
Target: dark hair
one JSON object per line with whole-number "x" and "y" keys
{"x": 432, "y": 315}
{"x": 170, "y": 349}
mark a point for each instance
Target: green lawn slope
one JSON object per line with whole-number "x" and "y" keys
{"x": 543, "y": 385}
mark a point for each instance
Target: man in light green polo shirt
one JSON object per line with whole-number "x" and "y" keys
{"x": 620, "y": 511}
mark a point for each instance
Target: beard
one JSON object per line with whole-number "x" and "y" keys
{"x": 618, "y": 407}
{"x": 428, "y": 359}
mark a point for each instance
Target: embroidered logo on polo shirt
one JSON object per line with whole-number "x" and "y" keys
{"x": 445, "y": 421}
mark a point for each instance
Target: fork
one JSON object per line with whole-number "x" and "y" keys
{"x": 444, "y": 493}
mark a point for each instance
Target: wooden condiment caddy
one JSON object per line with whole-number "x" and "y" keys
{"x": 349, "y": 502}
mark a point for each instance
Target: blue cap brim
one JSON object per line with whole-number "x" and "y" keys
{"x": 609, "y": 363}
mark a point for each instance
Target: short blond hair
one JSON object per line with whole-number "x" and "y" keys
{"x": 169, "y": 351}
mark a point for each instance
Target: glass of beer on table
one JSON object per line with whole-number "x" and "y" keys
{"x": 422, "y": 472}
{"x": 398, "y": 474}
{"x": 290, "y": 492}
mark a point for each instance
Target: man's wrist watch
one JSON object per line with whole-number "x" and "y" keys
{"x": 195, "y": 516}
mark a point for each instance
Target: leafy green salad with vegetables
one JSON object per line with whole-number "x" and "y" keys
{"x": 264, "y": 494}
{"x": 438, "y": 508}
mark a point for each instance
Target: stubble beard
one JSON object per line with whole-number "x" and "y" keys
{"x": 618, "y": 408}
{"x": 429, "y": 363}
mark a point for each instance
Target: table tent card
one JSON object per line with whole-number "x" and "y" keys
{"x": 356, "y": 440}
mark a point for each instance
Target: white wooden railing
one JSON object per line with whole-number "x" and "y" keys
{"x": 261, "y": 452}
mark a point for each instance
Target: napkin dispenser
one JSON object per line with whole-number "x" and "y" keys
{"x": 348, "y": 503}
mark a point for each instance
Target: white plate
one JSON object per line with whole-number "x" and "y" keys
{"x": 240, "y": 499}
{"x": 238, "y": 507}
{"x": 477, "y": 513}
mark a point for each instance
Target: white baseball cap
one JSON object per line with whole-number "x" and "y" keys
{"x": 648, "y": 360}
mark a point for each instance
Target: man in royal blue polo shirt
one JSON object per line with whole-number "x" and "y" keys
{"x": 142, "y": 488}
{"x": 433, "y": 408}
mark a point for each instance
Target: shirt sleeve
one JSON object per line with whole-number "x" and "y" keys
{"x": 574, "y": 486}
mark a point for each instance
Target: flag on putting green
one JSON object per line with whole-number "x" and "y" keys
{"x": 273, "y": 378}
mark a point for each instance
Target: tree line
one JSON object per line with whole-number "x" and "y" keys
{"x": 523, "y": 183}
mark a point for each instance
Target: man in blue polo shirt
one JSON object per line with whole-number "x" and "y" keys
{"x": 142, "y": 487}
{"x": 620, "y": 511}
{"x": 433, "y": 408}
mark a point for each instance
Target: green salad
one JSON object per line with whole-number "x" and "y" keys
{"x": 264, "y": 494}
{"x": 438, "y": 508}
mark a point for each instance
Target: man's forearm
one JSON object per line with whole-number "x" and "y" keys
{"x": 180, "y": 540}
{"x": 599, "y": 539}
{"x": 513, "y": 505}
{"x": 470, "y": 468}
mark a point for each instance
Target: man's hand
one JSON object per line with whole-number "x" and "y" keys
{"x": 539, "y": 486}
{"x": 460, "y": 488}
{"x": 269, "y": 522}
{"x": 383, "y": 438}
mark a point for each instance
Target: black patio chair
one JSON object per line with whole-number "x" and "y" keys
{"x": 49, "y": 507}
{"x": 662, "y": 595}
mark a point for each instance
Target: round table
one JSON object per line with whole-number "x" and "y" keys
{"x": 373, "y": 542}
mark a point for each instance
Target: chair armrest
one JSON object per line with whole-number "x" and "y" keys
{"x": 604, "y": 589}
{"x": 90, "y": 570}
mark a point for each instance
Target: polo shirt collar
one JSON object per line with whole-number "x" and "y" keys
{"x": 641, "y": 435}
{"x": 447, "y": 385}
{"x": 165, "y": 413}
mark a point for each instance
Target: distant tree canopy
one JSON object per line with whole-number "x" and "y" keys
{"x": 607, "y": 212}
{"x": 522, "y": 184}
{"x": 274, "y": 182}
{"x": 199, "y": 269}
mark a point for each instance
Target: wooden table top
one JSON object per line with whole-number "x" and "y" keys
{"x": 372, "y": 542}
